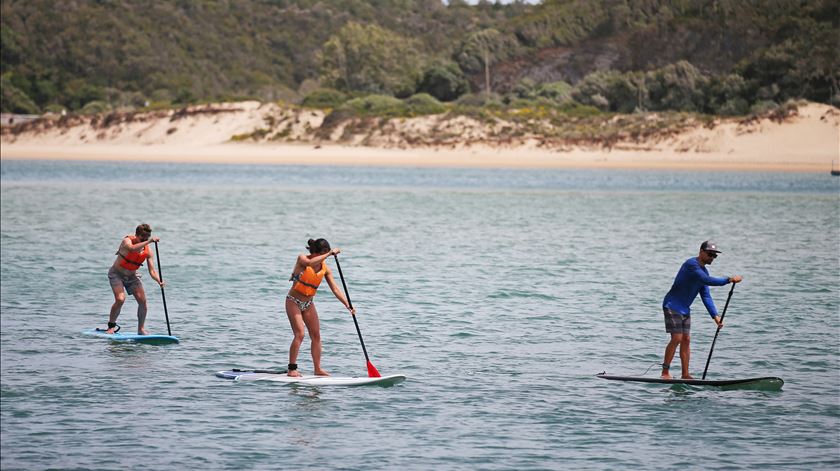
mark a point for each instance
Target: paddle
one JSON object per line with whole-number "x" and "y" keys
{"x": 162, "y": 293}
{"x": 718, "y": 330}
{"x": 372, "y": 372}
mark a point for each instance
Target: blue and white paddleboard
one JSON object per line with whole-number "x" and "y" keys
{"x": 153, "y": 339}
{"x": 281, "y": 377}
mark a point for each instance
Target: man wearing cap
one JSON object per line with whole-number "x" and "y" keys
{"x": 692, "y": 279}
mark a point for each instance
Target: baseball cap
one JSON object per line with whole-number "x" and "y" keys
{"x": 709, "y": 246}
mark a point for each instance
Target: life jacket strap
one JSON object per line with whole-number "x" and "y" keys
{"x": 130, "y": 261}
{"x": 296, "y": 278}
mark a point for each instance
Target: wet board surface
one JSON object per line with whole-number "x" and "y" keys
{"x": 153, "y": 339}
{"x": 281, "y": 377}
{"x": 765, "y": 383}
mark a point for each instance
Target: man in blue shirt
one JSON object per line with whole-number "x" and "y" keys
{"x": 691, "y": 280}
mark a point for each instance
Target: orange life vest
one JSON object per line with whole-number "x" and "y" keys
{"x": 133, "y": 260}
{"x": 307, "y": 281}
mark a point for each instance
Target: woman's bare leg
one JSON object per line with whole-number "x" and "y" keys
{"x": 310, "y": 318}
{"x": 296, "y": 321}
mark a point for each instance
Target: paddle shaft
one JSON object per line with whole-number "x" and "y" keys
{"x": 712, "y": 349}
{"x": 347, "y": 295}
{"x": 162, "y": 293}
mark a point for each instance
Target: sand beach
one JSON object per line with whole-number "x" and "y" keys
{"x": 808, "y": 141}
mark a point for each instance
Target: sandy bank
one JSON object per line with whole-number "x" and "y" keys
{"x": 807, "y": 142}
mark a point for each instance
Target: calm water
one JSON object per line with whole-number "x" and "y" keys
{"x": 498, "y": 293}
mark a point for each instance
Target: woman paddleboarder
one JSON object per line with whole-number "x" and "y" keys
{"x": 310, "y": 269}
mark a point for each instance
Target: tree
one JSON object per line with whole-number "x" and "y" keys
{"x": 482, "y": 48}
{"x": 445, "y": 82}
{"x": 610, "y": 90}
{"x": 370, "y": 59}
{"x": 14, "y": 100}
{"x": 726, "y": 95}
{"x": 676, "y": 87}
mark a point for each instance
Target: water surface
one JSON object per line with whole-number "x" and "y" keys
{"x": 499, "y": 293}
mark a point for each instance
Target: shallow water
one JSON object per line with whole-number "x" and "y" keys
{"x": 499, "y": 293}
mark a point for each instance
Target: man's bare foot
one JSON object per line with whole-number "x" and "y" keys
{"x": 110, "y": 331}
{"x": 142, "y": 331}
{"x": 320, "y": 372}
{"x": 687, "y": 376}
{"x": 666, "y": 376}
{"x": 294, "y": 374}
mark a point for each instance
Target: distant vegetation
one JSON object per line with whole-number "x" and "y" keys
{"x": 411, "y": 57}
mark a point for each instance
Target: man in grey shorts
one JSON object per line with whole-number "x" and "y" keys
{"x": 123, "y": 276}
{"x": 692, "y": 279}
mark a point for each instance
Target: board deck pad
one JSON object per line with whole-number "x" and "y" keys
{"x": 154, "y": 339}
{"x": 280, "y": 376}
{"x": 764, "y": 383}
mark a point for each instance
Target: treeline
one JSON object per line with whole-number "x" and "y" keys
{"x": 711, "y": 56}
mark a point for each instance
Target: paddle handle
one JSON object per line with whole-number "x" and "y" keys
{"x": 712, "y": 349}
{"x": 162, "y": 293}
{"x": 347, "y": 295}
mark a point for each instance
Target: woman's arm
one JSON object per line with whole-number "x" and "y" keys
{"x": 337, "y": 292}
{"x": 305, "y": 261}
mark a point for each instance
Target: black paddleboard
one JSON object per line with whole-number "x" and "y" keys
{"x": 765, "y": 383}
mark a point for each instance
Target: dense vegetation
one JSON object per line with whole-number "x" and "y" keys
{"x": 403, "y": 57}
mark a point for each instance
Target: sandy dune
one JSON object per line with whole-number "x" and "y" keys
{"x": 808, "y": 142}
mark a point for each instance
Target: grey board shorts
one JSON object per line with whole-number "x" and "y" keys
{"x": 130, "y": 282}
{"x": 676, "y": 323}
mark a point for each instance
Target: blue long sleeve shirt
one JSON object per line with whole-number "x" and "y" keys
{"x": 693, "y": 278}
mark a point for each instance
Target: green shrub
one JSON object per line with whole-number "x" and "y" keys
{"x": 376, "y": 105}
{"x": 255, "y": 135}
{"x": 735, "y": 107}
{"x": 54, "y": 108}
{"x": 578, "y": 110}
{"x": 158, "y": 105}
{"x": 15, "y": 101}
{"x": 762, "y": 107}
{"x": 559, "y": 92}
{"x": 324, "y": 98}
{"x": 445, "y": 82}
{"x": 423, "y": 104}
{"x": 480, "y": 99}
{"x": 95, "y": 107}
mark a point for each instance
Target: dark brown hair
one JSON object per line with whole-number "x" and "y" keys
{"x": 143, "y": 229}
{"x": 318, "y": 246}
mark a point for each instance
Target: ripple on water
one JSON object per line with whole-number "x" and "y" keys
{"x": 499, "y": 293}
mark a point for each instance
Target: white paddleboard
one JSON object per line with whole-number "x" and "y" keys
{"x": 281, "y": 377}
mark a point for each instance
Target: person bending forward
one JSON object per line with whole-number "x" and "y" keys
{"x": 310, "y": 269}
{"x": 123, "y": 276}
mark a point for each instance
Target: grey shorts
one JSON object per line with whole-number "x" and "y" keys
{"x": 676, "y": 323}
{"x": 130, "y": 282}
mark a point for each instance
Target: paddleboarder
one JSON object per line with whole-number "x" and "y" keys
{"x": 692, "y": 279}
{"x": 310, "y": 269}
{"x": 123, "y": 276}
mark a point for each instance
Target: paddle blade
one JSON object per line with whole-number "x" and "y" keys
{"x": 372, "y": 372}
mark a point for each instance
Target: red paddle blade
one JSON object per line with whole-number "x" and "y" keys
{"x": 372, "y": 372}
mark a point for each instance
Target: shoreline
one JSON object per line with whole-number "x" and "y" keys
{"x": 806, "y": 141}
{"x": 334, "y": 155}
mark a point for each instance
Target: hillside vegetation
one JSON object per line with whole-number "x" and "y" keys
{"x": 406, "y": 57}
